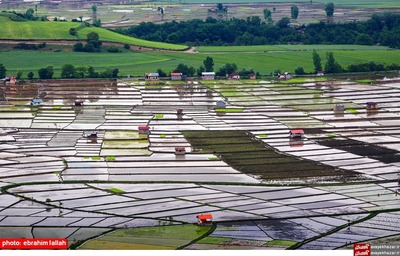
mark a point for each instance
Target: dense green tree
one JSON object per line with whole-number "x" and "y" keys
{"x": 331, "y": 65}
{"x": 29, "y": 14}
{"x": 92, "y": 73}
{"x": 80, "y": 72}
{"x": 184, "y": 69}
{"x": 72, "y": 31}
{"x": 209, "y": 64}
{"x": 19, "y": 74}
{"x": 316, "y": 61}
{"x": 92, "y": 36}
{"x": 97, "y": 23}
{"x": 267, "y": 15}
{"x": 299, "y": 70}
{"x": 68, "y": 71}
{"x": 294, "y": 12}
{"x": 283, "y": 23}
{"x": 161, "y": 73}
{"x": 3, "y": 71}
{"x": 227, "y": 69}
{"x": 30, "y": 75}
{"x": 78, "y": 47}
{"x": 46, "y": 73}
{"x": 114, "y": 73}
{"x": 364, "y": 39}
{"x": 329, "y": 9}
{"x": 200, "y": 70}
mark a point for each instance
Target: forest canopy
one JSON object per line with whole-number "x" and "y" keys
{"x": 381, "y": 29}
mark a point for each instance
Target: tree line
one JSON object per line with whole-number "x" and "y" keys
{"x": 67, "y": 71}
{"x": 383, "y": 29}
{"x": 332, "y": 66}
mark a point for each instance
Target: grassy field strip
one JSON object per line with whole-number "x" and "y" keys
{"x": 136, "y": 64}
{"x": 263, "y": 48}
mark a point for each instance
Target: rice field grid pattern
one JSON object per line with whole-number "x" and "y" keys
{"x": 67, "y": 185}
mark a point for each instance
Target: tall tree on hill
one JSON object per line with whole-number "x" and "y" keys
{"x": 209, "y": 64}
{"x": 329, "y": 9}
{"x": 317, "y": 62}
{"x": 94, "y": 14}
{"x": 294, "y": 11}
{"x": 267, "y": 15}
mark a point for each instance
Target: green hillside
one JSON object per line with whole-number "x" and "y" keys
{"x": 40, "y": 30}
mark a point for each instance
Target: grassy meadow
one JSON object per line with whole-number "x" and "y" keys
{"x": 271, "y": 48}
{"x": 28, "y": 30}
{"x": 138, "y": 63}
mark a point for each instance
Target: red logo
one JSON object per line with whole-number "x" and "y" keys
{"x": 362, "y": 249}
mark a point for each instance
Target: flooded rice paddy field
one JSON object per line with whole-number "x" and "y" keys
{"x": 335, "y": 186}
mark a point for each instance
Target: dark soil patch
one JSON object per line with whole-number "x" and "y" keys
{"x": 382, "y": 154}
{"x": 249, "y": 155}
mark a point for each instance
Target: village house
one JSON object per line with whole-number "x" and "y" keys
{"x": 36, "y": 102}
{"x": 285, "y": 76}
{"x": 180, "y": 151}
{"x": 296, "y": 133}
{"x": 234, "y": 76}
{"x": 176, "y": 76}
{"x": 338, "y": 107}
{"x": 11, "y": 80}
{"x": 151, "y": 76}
{"x": 89, "y": 134}
{"x": 79, "y": 103}
{"x": 144, "y": 129}
{"x": 220, "y": 104}
{"x": 371, "y": 105}
{"x": 204, "y": 219}
{"x": 208, "y": 75}
{"x": 252, "y": 76}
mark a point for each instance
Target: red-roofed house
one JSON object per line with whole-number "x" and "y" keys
{"x": 180, "y": 151}
{"x": 204, "y": 219}
{"x": 176, "y": 76}
{"x": 296, "y": 133}
{"x": 144, "y": 129}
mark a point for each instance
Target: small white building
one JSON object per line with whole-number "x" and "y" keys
{"x": 151, "y": 76}
{"x": 90, "y": 134}
{"x": 208, "y": 75}
{"x": 285, "y": 76}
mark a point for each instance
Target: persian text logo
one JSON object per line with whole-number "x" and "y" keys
{"x": 362, "y": 249}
